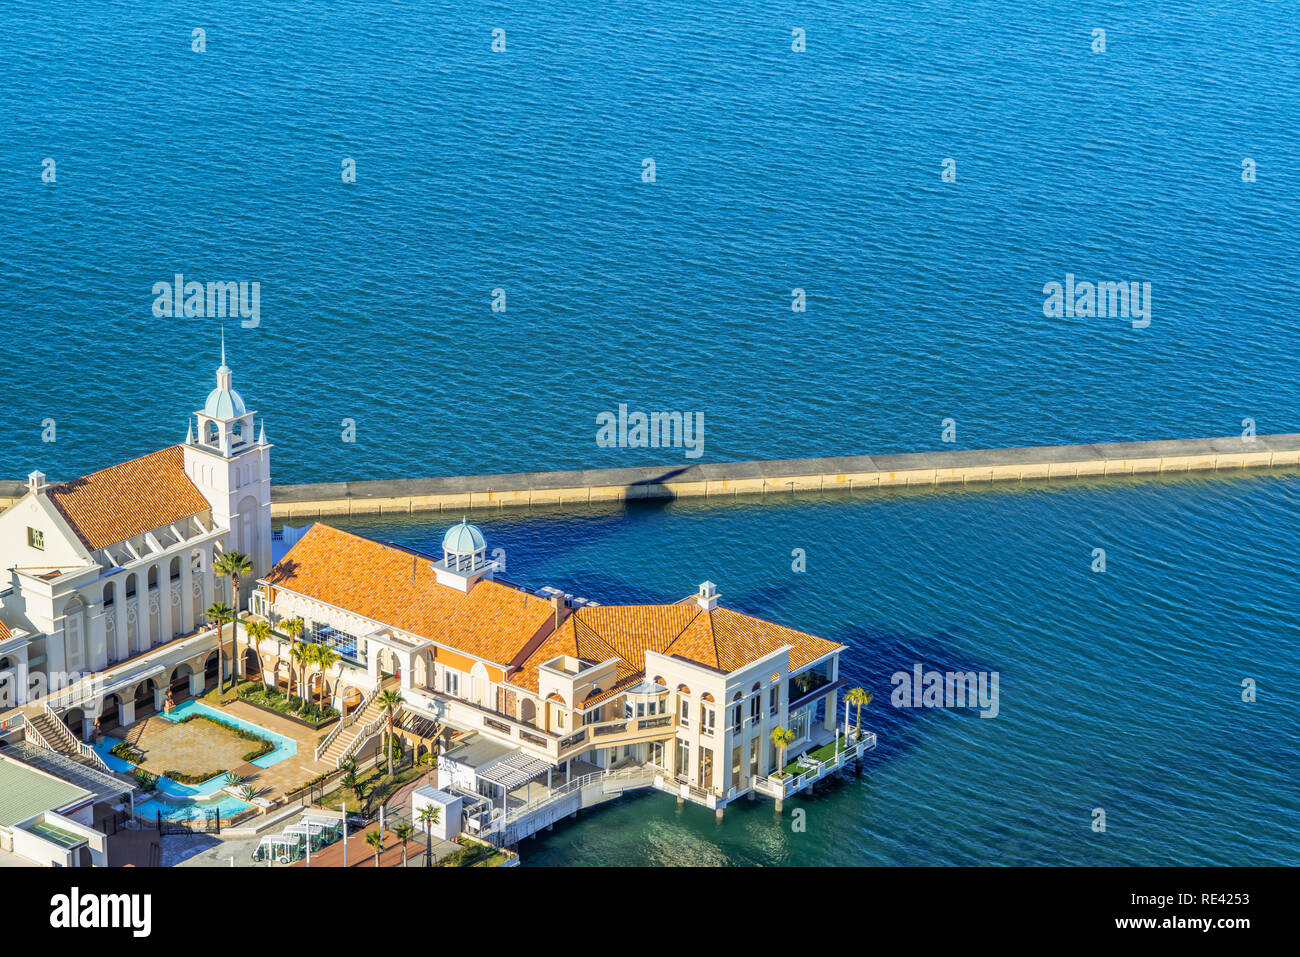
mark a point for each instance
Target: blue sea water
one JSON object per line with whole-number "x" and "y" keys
{"x": 521, "y": 170}
{"x": 775, "y": 170}
{"x": 1119, "y": 690}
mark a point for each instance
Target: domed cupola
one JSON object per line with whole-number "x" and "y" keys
{"x": 225, "y": 422}
{"x": 464, "y": 557}
{"x": 463, "y": 540}
{"x": 223, "y": 401}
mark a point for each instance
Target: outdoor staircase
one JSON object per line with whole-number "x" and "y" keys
{"x": 349, "y": 740}
{"x": 53, "y": 734}
{"x": 45, "y": 729}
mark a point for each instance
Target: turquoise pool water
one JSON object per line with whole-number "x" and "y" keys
{"x": 284, "y": 747}
{"x": 176, "y": 801}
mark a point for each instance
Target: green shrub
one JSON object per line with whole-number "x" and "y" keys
{"x": 128, "y": 752}
{"x": 147, "y": 781}
{"x": 186, "y": 777}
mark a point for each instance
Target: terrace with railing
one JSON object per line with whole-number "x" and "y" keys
{"x": 548, "y": 744}
{"x": 814, "y": 765}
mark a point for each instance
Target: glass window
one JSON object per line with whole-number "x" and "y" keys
{"x": 683, "y": 758}
{"x": 686, "y": 713}
{"x": 799, "y": 724}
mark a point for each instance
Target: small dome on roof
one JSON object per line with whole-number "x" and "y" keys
{"x": 463, "y": 539}
{"x": 224, "y": 404}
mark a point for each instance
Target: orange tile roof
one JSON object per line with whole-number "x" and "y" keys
{"x": 397, "y": 588}
{"x": 5, "y": 634}
{"x": 114, "y": 504}
{"x": 722, "y": 639}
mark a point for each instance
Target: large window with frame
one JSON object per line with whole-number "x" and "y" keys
{"x": 683, "y": 758}
{"x": 706, "y": 768}
{"x": 799, "y": 724}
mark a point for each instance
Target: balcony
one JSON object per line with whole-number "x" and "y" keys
{"x": 812, "y": 766}
{"x": 626, "y": 731}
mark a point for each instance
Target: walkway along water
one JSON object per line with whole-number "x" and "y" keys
{"x": 731, "y": 479}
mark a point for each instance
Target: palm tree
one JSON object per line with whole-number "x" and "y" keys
{"x": 390, "y": 701}
{"x": 376, "y": 840}
{"x": 428, "y": 817}
{"x": 304, "y": 655}
{"x": 220, "y": 613}
{"x": 257, "y": 632}
{"x": 323, "y": 658}
{"x": 234, "y": 565}
{"x": 860, "y": 697}
{"x": 782, "y": 738}
{"x": 353, "y": 784}
{"x": 294, "y": 628}
{"x": 403, "y": 832}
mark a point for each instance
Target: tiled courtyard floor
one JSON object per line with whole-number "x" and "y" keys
{"x": 194, "y": 747}
{"x": 292, "y": 772}
{"x": 199, "y": 746}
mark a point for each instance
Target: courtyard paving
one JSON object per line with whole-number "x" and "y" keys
{"x": 201, "y": 746}
{"x": 193, "y": 747}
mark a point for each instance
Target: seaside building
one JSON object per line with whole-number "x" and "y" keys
{"x": 554, "y": 688}
{"x": 536, "y": 702}
{"x": 107, "y": 574}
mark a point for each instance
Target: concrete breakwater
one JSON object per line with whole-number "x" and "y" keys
{"x": 730, "y": 479}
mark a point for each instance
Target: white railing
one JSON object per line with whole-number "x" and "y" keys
{"x": 577, "y": 784}
{"x": 347, "y": 722}
{"x": 75, "y": 743}
{"x": 39, "y": 739}
{"x": 783, "y": 787}
{"x": 364, "y": 735}
{"x": 639, "y": 776}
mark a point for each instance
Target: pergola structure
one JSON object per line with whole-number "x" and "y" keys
{"x": 103, "y": 786}
{"x": 513, "y": 772}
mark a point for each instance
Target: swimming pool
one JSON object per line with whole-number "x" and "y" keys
{"x": 175, "y": 801}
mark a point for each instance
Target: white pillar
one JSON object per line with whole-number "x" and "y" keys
{"x": 164, "y": 602}
{"x": 22, "y": 678}
{"x": 187, "y": 595}
{"x": 97, "y": 650}
{"x": 122, "y": 651}
{"x": 405, "y": 663}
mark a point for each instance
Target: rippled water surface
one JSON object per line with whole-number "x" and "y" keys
{"x": 522, "y": 171}
{"x": 775, "y": 170}
{"x": 1119, "y": 690}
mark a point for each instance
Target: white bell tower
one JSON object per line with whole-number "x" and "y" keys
{"x": 233, "y": 471}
